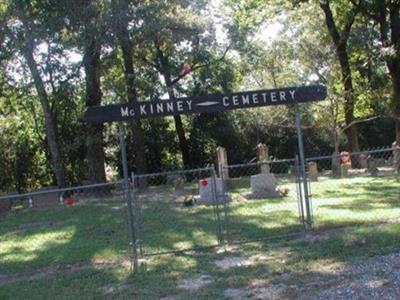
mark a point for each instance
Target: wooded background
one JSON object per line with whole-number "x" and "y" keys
{"x": 59, "y": 57}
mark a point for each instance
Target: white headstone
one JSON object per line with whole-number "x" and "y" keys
{"x": 206, "y": 191}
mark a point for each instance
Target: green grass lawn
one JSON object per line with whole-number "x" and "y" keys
{"x": 81, "y": 252}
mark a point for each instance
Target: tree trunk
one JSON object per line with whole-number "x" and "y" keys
{"x": 94, "y": 132}
{"x": 340, "y": 42}
{"x": 391, "y": 39}
{"x": 50, "y": 127}
{"x": 180, "y": 131}
{"x": 122, "y": 33}
{"x": 394, "y": 64}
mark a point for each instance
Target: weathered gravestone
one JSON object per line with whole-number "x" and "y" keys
{"x": 47, "y": 199}
{"x": 210, "y": 194}
{"x": 396, "y": 156}
{"x": 222, "y": 161}
{"x": 263, "y": 185}
{"x": 5, "y": 205}
{"x": 312, "y": 171}
{"x": 373, "y": 166}
{"x": 262, "y": 158}
{"x": 344, "y": 170}
{"x": 363, "y": 161}
{"x": 336, "y": 164}
{"x": 178, "y": 182}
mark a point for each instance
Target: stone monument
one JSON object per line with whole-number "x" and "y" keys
{"x": 222, "y": 161}
{"x": 336, "y": 164}
{"x": 363, "y": 161}
{"x": 207, "y": 193}
{"x": 312, "y": 171}
{"x": 396, "y": 156}
{"x": 262, "y": 158}
{"x": 344, "y": 170}
{"x": 263, "y": 185}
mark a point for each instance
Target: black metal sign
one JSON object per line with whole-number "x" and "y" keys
{"x": 204, "y": 104}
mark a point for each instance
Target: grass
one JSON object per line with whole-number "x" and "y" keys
{"x": 81, "y": 252}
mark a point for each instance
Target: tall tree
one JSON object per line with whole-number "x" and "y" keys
{"x": 26, "y": 30}
{"x": 121, "y": 15}
{"x": 175, "y": 45}
{"x": 92, "y": 33}
{"x": 340, "y": 38}
{"x": 94, "y": 132}
{"x": 386, "y": 15}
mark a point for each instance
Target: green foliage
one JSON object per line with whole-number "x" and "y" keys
{"x": 229, "y": 48}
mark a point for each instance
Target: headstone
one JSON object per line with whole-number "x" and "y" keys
{"x": 179, "y": 185}
{"x": 207, "y": 193}
{"x": 264, "y": 186}
{"x": 312, "y": 171}
{"x": 372, "y": 166}
{"x": 262, "y": 158}
{"x": 222, "y": 161}
{"x": 5, "y": 205}
{"x": 336, "y": 164}
{"x": 46, "y": 199}
{"x": 294, "y": 170}
{"x": 363, "y": 161}
{"x": 344, "y": 170}
{"x": 396, "y": 156}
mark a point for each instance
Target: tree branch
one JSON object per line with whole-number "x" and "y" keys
{"x": 195, "y": 67}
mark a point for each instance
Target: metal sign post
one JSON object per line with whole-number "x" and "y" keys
{"x": 303, "y": 174}
{"x": 128, "y": 197}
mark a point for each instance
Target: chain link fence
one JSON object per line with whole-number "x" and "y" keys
{"x": 58, "y": 227}
{"x": 176, "y": 211}
{"x": 193, "y": 209}
{"x": 355, "y": 188}
{"x": 262, "y": 201}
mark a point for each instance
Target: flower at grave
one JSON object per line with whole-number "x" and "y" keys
{"x": 204, "y": 182}
{"x": 69, "y": 201}
{"x": 345, "y": 157}
{"x": 186, "y": 68}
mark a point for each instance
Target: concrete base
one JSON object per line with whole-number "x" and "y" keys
{"x": 264, "y": 186}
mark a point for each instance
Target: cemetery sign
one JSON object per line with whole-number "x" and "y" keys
{"x": 204, "y": 104}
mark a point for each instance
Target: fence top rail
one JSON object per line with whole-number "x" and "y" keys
{"x": 176, "y": 172}
{"x": 289, "y": 160}
{"x": 338, "y": 155}
{"x": 59, "y": 190}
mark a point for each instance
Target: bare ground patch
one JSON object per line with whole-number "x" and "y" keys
{"x": 375, "y": 278}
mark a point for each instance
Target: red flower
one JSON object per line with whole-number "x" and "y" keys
{"x": 186, "y": 69}
{"x": 69, "y": 201}
{"x": 204, "y": 182}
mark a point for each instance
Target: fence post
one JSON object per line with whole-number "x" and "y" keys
{"x": 128, "y": 198}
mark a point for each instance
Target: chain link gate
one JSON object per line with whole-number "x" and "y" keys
{"x": 176, "y": 211}
{"x": 262, "y": 200}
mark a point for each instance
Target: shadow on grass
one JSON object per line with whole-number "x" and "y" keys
{"x": 377, "y": 193}
{"x": 65, "y": 236}
{"x": 163, "y": 275}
